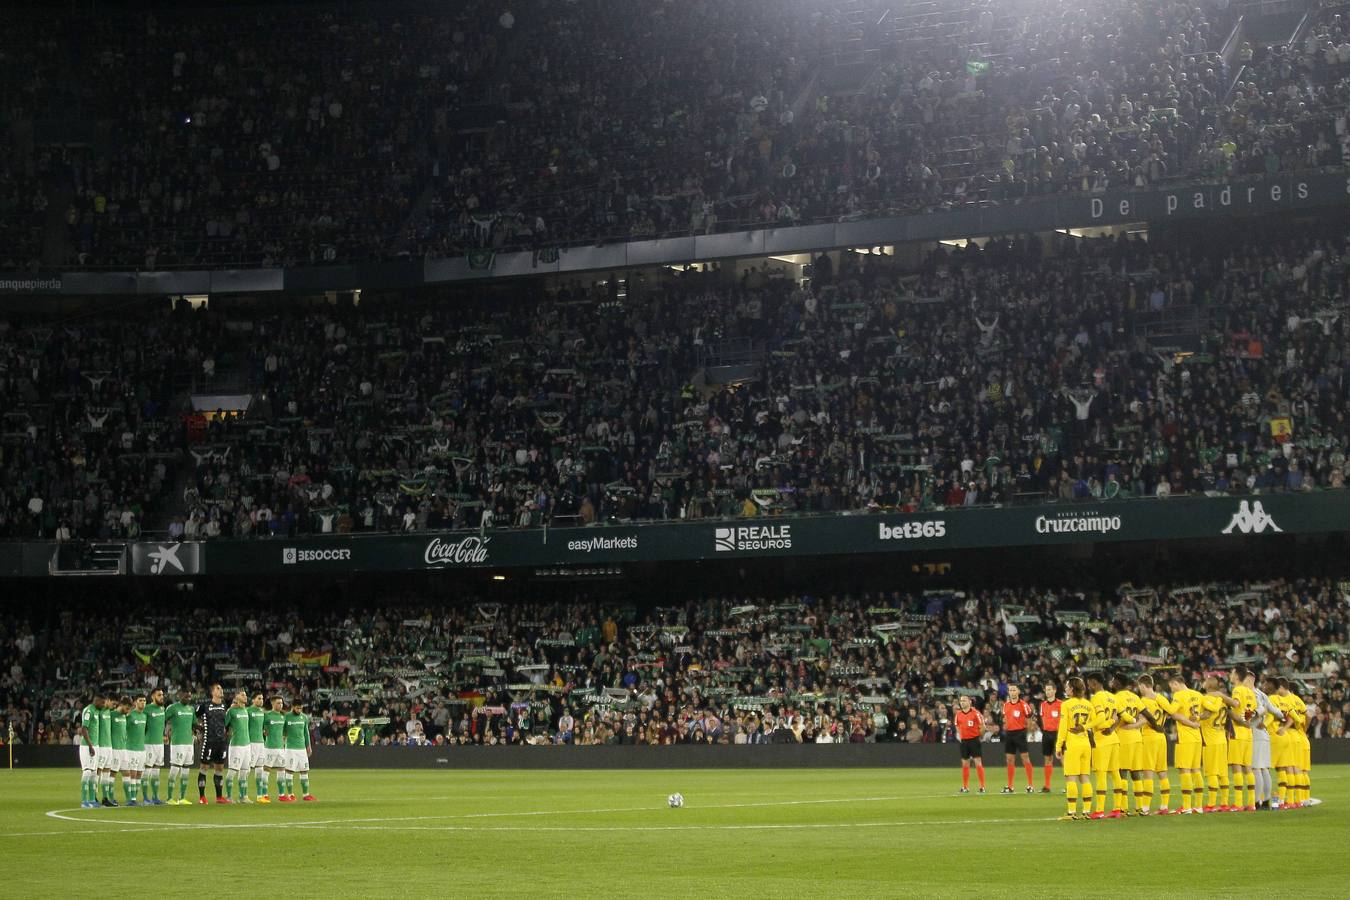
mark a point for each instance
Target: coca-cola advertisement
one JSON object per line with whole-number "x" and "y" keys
{"x": 468, "y": 551}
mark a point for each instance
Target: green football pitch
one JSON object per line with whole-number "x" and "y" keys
{"x": 771, "y": 833}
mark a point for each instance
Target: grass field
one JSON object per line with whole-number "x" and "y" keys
{"x": 809, "y": 833}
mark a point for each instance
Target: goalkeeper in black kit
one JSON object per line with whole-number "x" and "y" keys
{"x": 211, "y": 726}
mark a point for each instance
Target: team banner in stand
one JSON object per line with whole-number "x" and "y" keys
{"x": 1141, "y": 520}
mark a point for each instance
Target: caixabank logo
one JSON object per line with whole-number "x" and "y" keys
{"x": 749, "y": 538}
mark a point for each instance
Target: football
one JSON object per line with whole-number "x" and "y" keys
{"x": 675, "y": 801}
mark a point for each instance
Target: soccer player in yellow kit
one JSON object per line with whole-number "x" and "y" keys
{"x": 1300, "y": 750}
{"x": 1242, "y": 710}
{"x": 1280, "y": 737}
{"x": 1154, "y": 752}
{"x": 1214, "y": 734}
{"x": 1184, "y": 707}
{"x": 1105, "y": 748}
{"x": 1131, "y": 744}
{"x": 1073, "y": 747}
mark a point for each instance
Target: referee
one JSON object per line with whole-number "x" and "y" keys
{"x": 211, "y": 726}
{"x": 1049, "y": 732}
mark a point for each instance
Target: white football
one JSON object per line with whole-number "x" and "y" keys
{"x": 675, "y": 801}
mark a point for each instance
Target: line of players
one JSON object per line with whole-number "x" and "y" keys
{"x": 1236, "y": 751}
{"x": 128, "y": 736}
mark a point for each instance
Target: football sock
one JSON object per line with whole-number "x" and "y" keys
{"x": 1071, "y": 791}
{"x": 259, "y": 779}
{"x": 1239, "y": 791}
{"x": 1031, "y": 777}
{"x": 229, "y": 785}
{"x": 265, "y": 786}
{"x": 1049, "y": 770}
{"x": 1212, "y": 795}
{"x": 173, "y": 779}
{"x": 126, "y": 789}
{"x": 105, "y": 780}
{"x": 154, "y": 783}
{"x": 1186, "y": 782}
{"x": 979, "y": 770}
{"x": 1225, "y": 789}
{"x": 1283, "y": 792}
{"x": 1304, "y": 786}
{"x": 216, "y": 778}
{"x": 84, "y": 787}
{"x": 965, "y": 775}
{"x": 1100, "y": 804}
{"x": 1012, "y": 767}
{"x": 304, "y": 783}
{"x": 1164, "y": 792}
{"x": 1143, "y": 795}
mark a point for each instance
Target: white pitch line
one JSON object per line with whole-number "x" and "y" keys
{"x": 382, "y": 823}
{"x": 608, "y": 828}
{"x": 142, "y": 825}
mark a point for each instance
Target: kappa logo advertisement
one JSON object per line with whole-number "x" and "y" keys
{"x": 468, "y": 551}
{"x": 908, "y": 531}
{"x": 752, "y": 537}
{"x": 1077, "y": 522}
{"x": 1252, "y": 519}
{"x": 594, "y": 544}
{"x": 291, "y": 556}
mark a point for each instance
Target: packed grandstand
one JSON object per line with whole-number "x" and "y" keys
{"x": 295, "y": 135}
{"x": 816, "y": 668}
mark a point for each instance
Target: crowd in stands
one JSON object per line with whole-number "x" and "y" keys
{"x": 807, "y": 667}
{"x": 88, "y": 438}
{"x": 297, "y": 136}
{"x": 1008, "y": 373}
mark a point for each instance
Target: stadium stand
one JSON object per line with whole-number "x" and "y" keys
{"x": 1003, "y": 374}
{"x": 750, "y": 669}
{"x": 313, "y": 137}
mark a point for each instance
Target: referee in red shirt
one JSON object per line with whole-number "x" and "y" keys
{"x": 1016, "y": 719}
{"x": 1049, "y": 732}
{"x": 969, "y": 730}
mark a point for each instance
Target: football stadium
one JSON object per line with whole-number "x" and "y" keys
{"x": 578, "y": 448}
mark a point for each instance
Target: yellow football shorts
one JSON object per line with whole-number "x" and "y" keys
{"x": 1155, "y": 753}
{"x": 1106, "y": 759}
{"x": 1215, "y": 757}
{"x": 1077, "y": 759}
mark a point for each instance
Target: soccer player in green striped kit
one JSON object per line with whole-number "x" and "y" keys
{"x": 104, "y": 755}
{"x": 135, "y": 752}
{"x": 89, "y": 743}
{"x": 298, "y": 750}
{"x": 274, "y": 748}
{"x": 257, "y": 751}
{"x": 179, "y": 720}
{"x": 154, "y": 748}
{"x": 241, "y": 748}
{"x": 119, "y": 747}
